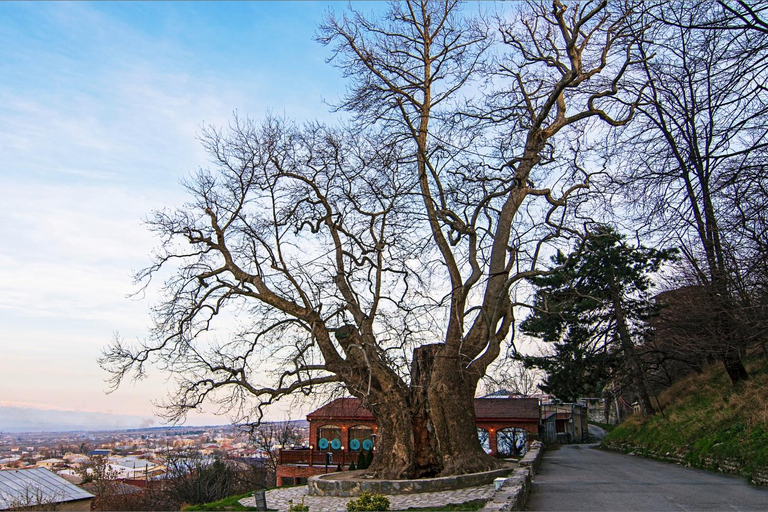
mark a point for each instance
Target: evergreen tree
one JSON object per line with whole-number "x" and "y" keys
{"x": 362, "y": 460}
{"x": 592, "y": 307}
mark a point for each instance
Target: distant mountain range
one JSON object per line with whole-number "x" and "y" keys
{"x": 28, "y": 419}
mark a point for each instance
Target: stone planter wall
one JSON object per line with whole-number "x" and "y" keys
{"x": 328, "y": 485}
{"x": 760, "y": 477}
{"x": 515, "y": 490}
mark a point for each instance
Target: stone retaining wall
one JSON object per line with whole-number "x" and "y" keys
{"x": 760, "y": 477}
{"x": 682, "y": 458}
{"x": 513, "y": 493}
{"x": 328, "y": 485}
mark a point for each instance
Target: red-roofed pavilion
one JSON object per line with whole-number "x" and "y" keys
{"x": 343, "y": 427}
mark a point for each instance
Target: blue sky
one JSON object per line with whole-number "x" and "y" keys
{"x": 100, "y": 104}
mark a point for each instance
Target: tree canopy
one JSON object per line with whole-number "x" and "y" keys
{"x": 384, "y": 255}
{"x": 691, "y": 170}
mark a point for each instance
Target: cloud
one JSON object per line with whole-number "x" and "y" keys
{"x": 31, "y": 405}
{"x": 99, "y": 122}
{"x": 73, "y": 248}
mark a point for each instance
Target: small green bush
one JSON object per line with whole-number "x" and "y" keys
{"x": 299, "y": 507}
{"x": 352, "y": 466}
{"x": 368, "y": 502}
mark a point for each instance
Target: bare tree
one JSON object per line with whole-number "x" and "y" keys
{"x": 193, "y": 479}
{"x": 270, "y": 437}
{"x": 696, "y": 156}
{"x": 512, "y": 376}
{"x": 99, "y": 472}
{"x": 736, "y": 15}
{"x": 347, "y": 252}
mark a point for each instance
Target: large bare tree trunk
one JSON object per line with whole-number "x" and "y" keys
{"x": 726, "y": 330}
{"x": 429, "y": 430}
{"x": 452, "y": 408}
{"x": 733, "y": 366}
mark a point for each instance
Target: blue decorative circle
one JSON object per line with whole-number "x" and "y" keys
{"x": 322, "y": 444}
{"x": 354, "y": 444}
{"x": 336, "y": 444}
{"x": 367, "y": 444}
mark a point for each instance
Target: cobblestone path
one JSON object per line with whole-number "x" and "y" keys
{"x": 279, "y": 498}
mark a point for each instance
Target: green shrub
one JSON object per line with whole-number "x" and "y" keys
{"x": 368, "y": 502}
{"x": 230, "y": 503}
{"x": 352, "y": 466}
{"x": 299, "y": 507}
{"x": 361, "y": 460}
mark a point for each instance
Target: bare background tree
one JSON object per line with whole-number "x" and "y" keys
{"x": 268, "y": 438}
{"x": 513, "y": 377}
{"x": 694, "y": 160}
{"x": 736, "y": 15}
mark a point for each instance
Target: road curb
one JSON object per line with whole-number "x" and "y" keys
{"x": 757, "y": 476}
{"x": 514, "y": 491}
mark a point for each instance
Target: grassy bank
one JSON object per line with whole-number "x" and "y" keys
{"x": 230, "y": 503}
{"x": 706, "y": 422}
{"x": 605, "y": 426}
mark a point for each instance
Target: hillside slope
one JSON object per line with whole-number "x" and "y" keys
{"x": 706, "y": 423}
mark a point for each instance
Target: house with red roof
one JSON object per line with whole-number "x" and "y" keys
{"x": 341, "y": 429}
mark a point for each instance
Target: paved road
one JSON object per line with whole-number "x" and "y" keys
{"x": 597, "y": 432}
{"x": 579, "y": 477}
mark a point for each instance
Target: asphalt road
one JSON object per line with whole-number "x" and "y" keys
{"x": 580, "y": 477}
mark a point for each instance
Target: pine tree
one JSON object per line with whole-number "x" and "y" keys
{"x": 592, "y": 307}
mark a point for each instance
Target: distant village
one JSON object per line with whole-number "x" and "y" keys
{"x": 137, "y": 469}
{"x": 131, "y": 454}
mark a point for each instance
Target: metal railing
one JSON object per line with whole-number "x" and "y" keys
{"x": 318, "y": 457}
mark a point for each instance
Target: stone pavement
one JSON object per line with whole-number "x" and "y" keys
{"x": 278, "y": 499}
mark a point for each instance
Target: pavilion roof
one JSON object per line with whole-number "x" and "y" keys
{"x": 342, "y": 409}
{"x": 486, "y": 409}
{"x": 506, "y": 409}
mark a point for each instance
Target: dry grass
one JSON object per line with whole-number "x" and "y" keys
{"x": 705, "y": 416}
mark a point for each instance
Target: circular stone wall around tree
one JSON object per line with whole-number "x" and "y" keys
{"x": 351, "y": 483}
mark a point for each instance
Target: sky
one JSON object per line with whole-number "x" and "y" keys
{"x": 100, "y": 107}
